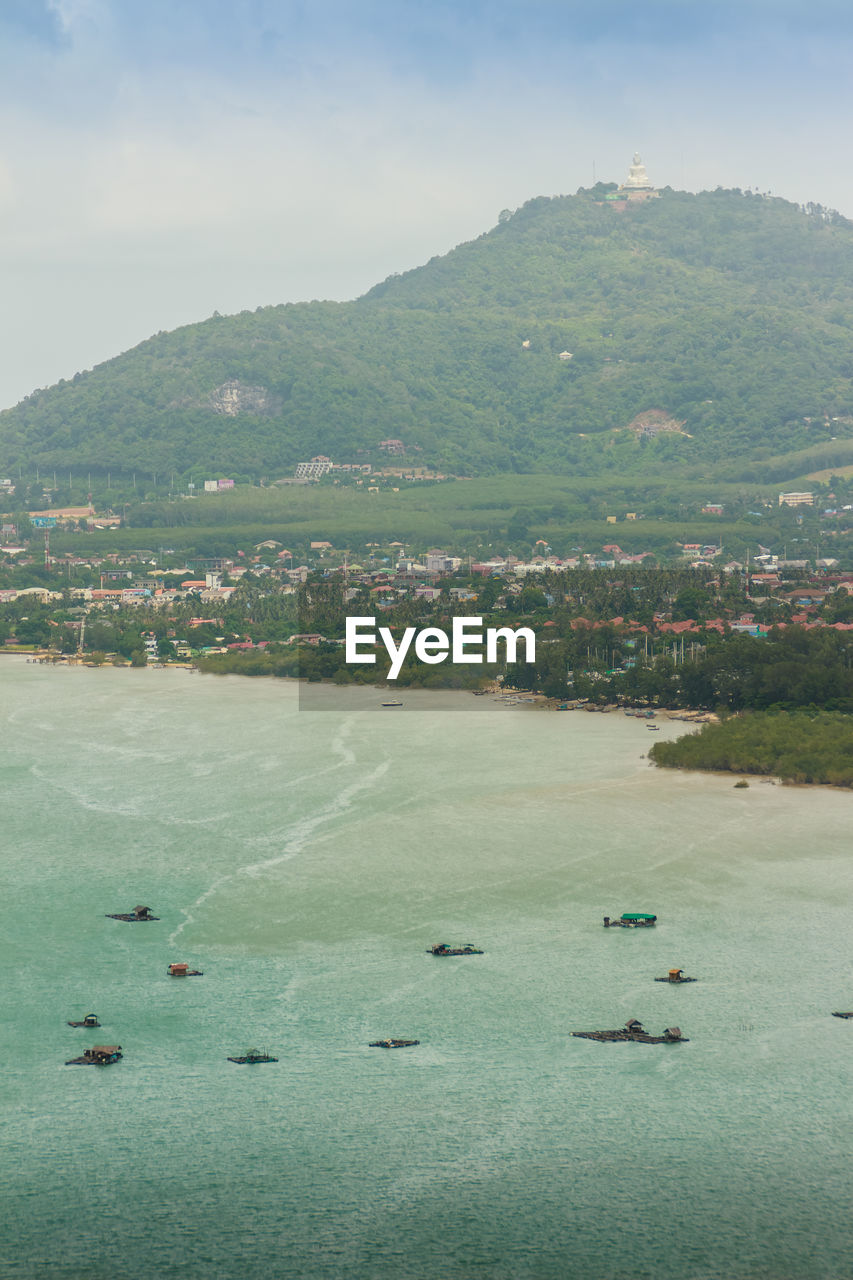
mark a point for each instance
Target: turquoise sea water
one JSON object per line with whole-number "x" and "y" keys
{"x": 304, "y": 861}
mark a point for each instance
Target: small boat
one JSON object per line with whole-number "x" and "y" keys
{"x": 844, "y": 1015}
{"x": 445, "y": 949}
{"x": 392, "y": 1044}
{"x": 253, "y": 1056}
{"x": 183, "y": 970}
{"x": 676, "y": 975}
{"x": 633, "y": 1030}
{"x": 90, "y": 1020}
{"x": 392, "y": 702}
{"x": 653, "y": 727}
{"x": 137, "y": 914}
{"x": 631, "y": 920}
{"x": 100, "y": 1055}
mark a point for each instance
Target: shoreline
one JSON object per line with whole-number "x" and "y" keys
{"x": 494, "y": 692}
{"x": 431, "y": 699}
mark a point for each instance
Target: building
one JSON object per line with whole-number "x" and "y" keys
{"x": 441, "y": 562}
{"x": 796, "y": 499}
{"x": 315, "y": 469}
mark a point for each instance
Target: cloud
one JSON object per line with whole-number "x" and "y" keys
{"x": 158, "y": 160}
{"x": 31, "y": 21}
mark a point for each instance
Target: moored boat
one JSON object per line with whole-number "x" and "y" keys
{"x": 392, "y": 1044}
{"x": 445, "y": 949}
{"x": 849, "y": 1014}
{"x": 182, "y": 970}
{"x": 252, "y": 1057}
{"x": 90, "y": 1020}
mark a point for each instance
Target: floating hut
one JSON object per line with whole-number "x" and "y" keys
{"x": 633, "y": 1030}
{"x": 675, "y": 975}
{"x": 132, "y": 917}
{"x": 182, "y": 970}
{"x": 100, "y": 1055}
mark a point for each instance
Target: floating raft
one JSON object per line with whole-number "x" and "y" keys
{"x": 844, "y": 1015}
{"x": 90, "y": 1020}
{"x": 631, "y": 920}
{"x": 633, "y": 1030}
{"x": 134, "y": 916}
{"x": 676, "y": 975}
{"x": 183, "y": 970}
{"x": 392, "y": 1044}
{"x": 100, "y": 1055}
{"x": 444, "y": 949}
{"x": 253, "y": 1056}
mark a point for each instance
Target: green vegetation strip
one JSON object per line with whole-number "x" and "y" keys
{"x": 801, "y": 746}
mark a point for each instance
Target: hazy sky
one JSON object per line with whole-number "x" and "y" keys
{"x": 162, "y": 159}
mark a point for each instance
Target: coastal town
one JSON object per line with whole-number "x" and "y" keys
{"x": 612, "y": 627}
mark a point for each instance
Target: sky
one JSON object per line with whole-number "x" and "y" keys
{"x": 160, "y": 161}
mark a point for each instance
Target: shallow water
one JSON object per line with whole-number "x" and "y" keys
{"x": 305, "y": 861}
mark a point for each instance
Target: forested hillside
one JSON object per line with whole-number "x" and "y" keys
{"x": 534, "y": 347}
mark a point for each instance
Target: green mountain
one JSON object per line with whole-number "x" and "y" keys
{"x": 703, "y": 333}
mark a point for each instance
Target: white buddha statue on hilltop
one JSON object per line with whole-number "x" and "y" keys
{"x": 637, "y": 185}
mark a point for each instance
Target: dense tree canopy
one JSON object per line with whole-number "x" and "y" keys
{"x": 729, "y": 313}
